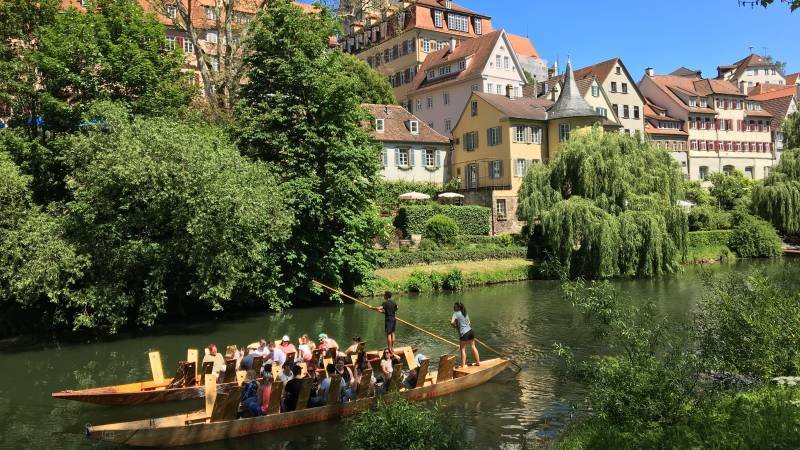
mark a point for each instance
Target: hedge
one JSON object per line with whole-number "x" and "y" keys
{"x": 403, "y": 259}
{"x": 472, "y": 220}
{"x": 708, "y": 238}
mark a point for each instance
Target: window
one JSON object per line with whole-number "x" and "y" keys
{"x": 624, "y": 88}
{"x": 444, "y": 70}
{"x": 595, "y": 91}
{"x": 601, "y": 111}
{"x": 188, "y": 46}
{"x": 211, "y": 13}
{"x": 418, "y": 105}
{"x": 472, "y": 176}
{"x": 563, "y": 132}
{"x": 379, "y": 125}
{"x": 477, "y": 25}
{"x": 635, "y": 112}
{"x": 214, "y": 64}
{"x": 613, "y": 86}
{"x": 703, "y": 172}
{"x": 171, "y": 42}
{"x": 448, "y": 4}
{"x": 448, "y": 124}
{"x": 498, "y": 59}
{"x": 426, "y": 46}
{"x": 470, "y": 141}
{"x": 211, "y": 36}
{"x": 625, "y": 111}
{"x": 430, "y": 102}
{"x": 501, "y": 209}
{"x": 703, "y": 102}
{"x": 430, "y": 158}
{"x": 384, "y": 158}
{"x": 494, "y": 136}
{"x": 402, "y": 157}
{"x": 413, "y": 126}
{"x": 457, "y": 22}
{"x": 437, "y": 19}
{"x": 490, "y": 87}
{"x": 172, "y": 11}
{"x": 618, "y": 70}
{"x": 692, "y": 102}
{"x": 749, "y": 172}
{"x": 616, "y": 108}
{"x": 520, "y": 167}
{"x": 506, "y": 61}
{"x": 440, "y": 45}
{"x": 462, "y": 65}
{"x": 727, "y": 170}
{"x": 495, "y": 169}
{"x": 473, "y": 108}
{"x": 476, "y": 88}
{"x": 499, "y": 89}
{"x": 431, "y": 74}
{"x": 516, "y": 92}
{"x": 446, "y": 98}
{"x": 527, "y": 134}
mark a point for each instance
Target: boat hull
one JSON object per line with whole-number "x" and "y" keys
{"x": 174, "y": 431}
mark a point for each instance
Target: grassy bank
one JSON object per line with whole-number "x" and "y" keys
{"x": 448, "y": 276}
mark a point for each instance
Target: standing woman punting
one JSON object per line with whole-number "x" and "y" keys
{"x": 466, "y": 337}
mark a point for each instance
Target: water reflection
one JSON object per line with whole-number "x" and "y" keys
{"x": 522, "y": 320}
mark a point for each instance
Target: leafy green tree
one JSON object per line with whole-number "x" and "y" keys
{"x": 777, "y": 199}
{"x": 301, "y": 113}
{"x": 113, "y": 51}
{"x": 730, "y": 190}
{"x": 754, "y": 237}
{"x": 373, "y": 87}
{"x": 793, "y": 4}
{"x": 442, "y": 230}
{"x": 791, "y": 131}
{"x": 606, "y": 206}
{"x": 696, "y": 193}
{"x": 175, "y": 220}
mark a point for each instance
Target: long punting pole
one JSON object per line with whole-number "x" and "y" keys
{"x": 350, "y": 297}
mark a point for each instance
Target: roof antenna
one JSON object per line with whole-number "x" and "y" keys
{"x": 751, "y": 49}
{"x": 765, "y": 50}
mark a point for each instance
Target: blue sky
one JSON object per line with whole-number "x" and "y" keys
{"x": 663, "y": 34}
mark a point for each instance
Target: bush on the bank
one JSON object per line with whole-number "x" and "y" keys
{"x": 453, "y": 280}
{"x": 471, "y": 220}
{"x": 401, "y": 425}
{"x": 755, "y": 238}
{"x": 393, "y": 259}
{"x": 708, "y": 238}
{"x": 709, "y": 217}
{"x": 441, "y": 229}
{"x": 420, "y": 282}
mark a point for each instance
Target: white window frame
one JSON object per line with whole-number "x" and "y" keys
{"x": 188, "y": 46}
{"x": 212, "y": 36}
{"x": 495, "y": 169}
{"x": 501, "y": 213}
{"x": 506, "y": 62}
{"x": 470, "y": 141}
{"x": 403, "y": 157}
{"x": 426, "y": 46}
{"x": 379, "y": 125}
{"x": 494, "y": 136}
{"x": 430, "y": 158}
{"x": 563, "y": 132}
{"x": 438, "y": 18}
{"x": 413, "y": 127}
{"x": 595, "y": 91}
{"x": 521, "y": 167}
{"x": 477, "y": 24}
{"x": 448, "y": 124}
{"x": 171, "y": 10}
{"x": 211, "y": 12}
{"x": 490, "y": 87}
{"x": 458, "y": 22}
{"x": 462, "y": 65}
{"x": 171, "y": 43}
{"x": 429, "y": 102}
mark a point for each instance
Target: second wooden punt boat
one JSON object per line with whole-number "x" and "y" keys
{"x": 198, "y": 427}
{"x": 149, "y": 392}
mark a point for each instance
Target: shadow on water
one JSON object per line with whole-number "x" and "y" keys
{"x": 520, "y": 319}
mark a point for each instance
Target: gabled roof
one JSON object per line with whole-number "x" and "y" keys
{"x": 753, "y": 60}
{"x": 395, "y": 129}
{"x": 517, "y": 108}
{"x": 686, "y": 72}
{"x": 767, "y": 88}
{"x": 792, "y": 78}
{"x": 479, "y": 50}
{"x": 523, "y": 46}
{"x": 570, "y": 102}
{"x": 709, "y": 86}
{"x": 777, "y": 106}
{"x": 674, "y": 86}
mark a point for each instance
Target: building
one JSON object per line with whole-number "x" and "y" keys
{"x": 529, "y": 58}
{"x": 726, "y": 129}
{"x": 412, "y": 151}
{"x": 752, "y": 70}
{"x": 667, "y": 133}
{"x": 780, "y": 101}
{"x": 448, "y": 77}
{"x": 500, "y": 136}
{"x": 589, "y": 88}
{"x": 396, "y": 40}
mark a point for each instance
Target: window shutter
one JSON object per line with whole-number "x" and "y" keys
{"x": 397, "y": 157}
{"x": 716, "y": 124}
{"x": 499, "y": 135}
{"x": 439, "y": 157}
{"x": 499, "y": 169}
{"x": 489, "y": 136}
{"x": 385, "y": 156}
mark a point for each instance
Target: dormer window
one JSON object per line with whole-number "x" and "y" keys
{"x": 379, "y": 125}
{"x": 462, "y": 64}
{"x": 437, "y": 18}
{"x": 431, "y": 74}
{"x": 703, "y": 102}
{"x": 477, "y": 25}
{"x": 693, "y": 101}
{"x": 448, "y": 4}
{"x": 172, "y": 11}
{"x": 413, "y": 126}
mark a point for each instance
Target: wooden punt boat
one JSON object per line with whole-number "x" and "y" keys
{"x": 150, "y": 392}
{"x": 199, "y": 427}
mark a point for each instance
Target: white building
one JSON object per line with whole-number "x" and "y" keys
{"x": 412, "y": 151}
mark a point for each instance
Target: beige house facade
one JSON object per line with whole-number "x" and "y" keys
{"x": 750, "y": 71}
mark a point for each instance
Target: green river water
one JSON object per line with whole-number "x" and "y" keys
{"x": 521, "y": 319}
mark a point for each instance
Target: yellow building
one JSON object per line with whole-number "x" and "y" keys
{"x": 499, "y": 137}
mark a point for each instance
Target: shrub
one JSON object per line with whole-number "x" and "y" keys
{"x": 755, "y": 238}
{"x": 441, "y": 229}
{"x": 731, "y": 189}
{"x": 471, "y": 220}
{"x": 422, "y": 282}
{"x": 708, "y": 238}
{"x": 693, "y": 191}
{"x": 401, "y": 425}
{"x": 708, "y": 217}
{"x": 453, "y": 280}
{"x": 427, "y": 245}
{"x": 405, "y": 258}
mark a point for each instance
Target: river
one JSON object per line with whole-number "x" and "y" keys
{"x": 520, "y": 319}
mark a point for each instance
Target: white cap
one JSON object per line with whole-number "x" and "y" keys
{"x": 285, "y": 338}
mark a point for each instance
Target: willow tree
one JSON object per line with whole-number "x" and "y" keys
{"x": 777, "y": 199}
{"x": 606, "y": 206}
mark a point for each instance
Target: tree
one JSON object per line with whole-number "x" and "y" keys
{"x": 793, "y": 4}
{"x": 791, "y": 131}
{"x": 372, "y": 86}
{"x": 175, "y": 220}
{"x": 777, "y": 198}
{"x": 606, "y": 206}
{"x": 301, "y": 113}
{"x": 730, "y": 189}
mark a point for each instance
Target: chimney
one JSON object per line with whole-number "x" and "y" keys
{"x": 509, "y": 90}
{"x": 555, "y": 69}
{"x": 649, "y": 71}
{"x": 453, "y": 43}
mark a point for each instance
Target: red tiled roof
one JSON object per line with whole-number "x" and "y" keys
{"x": 523, "y": 46}
{"x": 792, "y": 78}
{"x": 762, "y": 113}
{"x": 752, "y": 60}
{"x": 778, "y": 107}
{"x": 673, "y": 84}
{"x": 439, "y": 4}
{"x": 394, "y": 126}
{"x": 652, "y": 130}
{"x": 518, "y": 108}
{"x": 772, "y": 91}
{"x": 479, "y": 49}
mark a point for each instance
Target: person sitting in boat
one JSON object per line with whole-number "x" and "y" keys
{"x": 347, "y": 376}
{"x": 250, "y": 400}
{"x": 387, "y": 367}
{"x": 353, "y": 349}
{"x": 286, "y": 374}
{"x": 325, "y": 385}
{"x": 305, "y": 340}
{"x": 304, "y": 353}
{"x": 460, "y": 321}
{"x": 217, "y": 359}
{"x": 264, "y": 393}
{"x": 291, "y": 392}
{"x": 275, "y": 355}
{"x": 326, "y": 343}
{"x": 410, "y": 380}
{"x": 247, "y": 361}
{"x": 287, "y": 347}
{"x": 361, "y": 365}
{"x": 262, "y": 349}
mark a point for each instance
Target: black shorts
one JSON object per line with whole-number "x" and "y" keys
{"x": 468, "y": 336}
{"x": 389, "y": 325}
